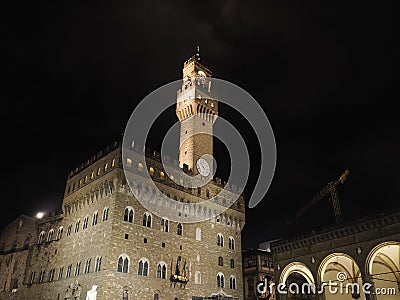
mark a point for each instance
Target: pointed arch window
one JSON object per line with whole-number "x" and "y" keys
{"x": 231, "y": 243}
{"x": 147, "y": 219}
{"x": 85, "y": 222}
{"x": 95, "y": 216}
{"x": 123, "y": 264}
{"x": 180, "y": 229}
{"x": 164, "y": 224}
{"x": 143, "y": 269}
{"x": 220, "y": 261}
{"x": 105, "y": 214}
{"x": 50, "y": 235}
{"x": 220, "y": 240}
{"x": 60, "y": 232}
{"x": 220, "y": 280}
{"x": 41, "y": 236}
{"x": 128, "y": 214}
{"x": 232, "y": 282}
{"x": 161, "y": 270}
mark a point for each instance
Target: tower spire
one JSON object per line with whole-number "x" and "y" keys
{"x": 198, "y": 53}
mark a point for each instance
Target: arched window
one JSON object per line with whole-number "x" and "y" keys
{"x": 123, "y": 264}
{"x": 128, "y": 214}
{"x": 197, "y": 277}
{"x": 220, "y": 280}
{"x": 220, "y": 261}
{"x": 164, "y": 225}
{"x": 105, "y": 214}
{"x": 140, "y": 167}
{"x": 98, "y": 171}
{"x": 95, "y": 216}
{"x": 128, "y": 162}
{"x": 41, "y": 236}
{"x": 161, "y": 270}
{"x": 69, "y": 230}
{"x": 147, "y": 219}
{"x": 155, "y": 296}
{"x": 231, "y": 243}
{"x": 77, "y": 226}
{"x": 220, "y": 240}
{"x": 198, "y": 234}
{"x": 143, "y": 269}
{"x": 77, "y": 268}
{"x": 97, "y": 268}
{"x": 180, "y": 229}
{"x": 151, "y": 171}
{"x": 232, "y": 282}
{"x": 105, "y": 167}
{"x": 162, "y": 175}
{"x": 60, "y": 232}
{"x": 50, "y": 235}
{"x": 85, "y": 222}
{"x": 232, "y": 263}
{"x": 113, "y": 163}
{"x": 92, "y": 175}
{"x": 87, "y": 266}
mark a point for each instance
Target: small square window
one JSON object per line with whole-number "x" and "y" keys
{"x": 126, "y": 236}
{"x": 163, "y": 245}
{"x": 145, "y": 240}
{"x": 180, "y": 247}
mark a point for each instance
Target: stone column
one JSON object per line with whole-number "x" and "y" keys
{"x": 368, "y": 281}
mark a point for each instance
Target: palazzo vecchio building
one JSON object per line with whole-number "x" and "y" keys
{"x": 106, "y": 245}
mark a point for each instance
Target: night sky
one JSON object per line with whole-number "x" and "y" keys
{"x": 321, "y": 70}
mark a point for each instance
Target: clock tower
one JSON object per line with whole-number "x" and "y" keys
{"x": 197, "y": 110}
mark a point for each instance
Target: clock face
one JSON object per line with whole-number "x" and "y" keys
{"x": 203, "y": 167}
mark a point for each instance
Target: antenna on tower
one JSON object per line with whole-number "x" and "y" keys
{"x": 197, "y": 52}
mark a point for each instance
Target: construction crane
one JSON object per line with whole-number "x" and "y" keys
{"x": 330, "y": 188}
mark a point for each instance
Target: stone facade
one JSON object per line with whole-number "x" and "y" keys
{"x": 106, "y": 237}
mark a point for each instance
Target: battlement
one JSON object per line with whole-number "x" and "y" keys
{"x": 94, "y": 158}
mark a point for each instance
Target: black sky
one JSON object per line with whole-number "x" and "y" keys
{"x": 322, "y": 71}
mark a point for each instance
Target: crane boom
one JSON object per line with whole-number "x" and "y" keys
{"x": 330, "y": 188}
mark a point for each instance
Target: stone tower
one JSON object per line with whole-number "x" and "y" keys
{"x": 197, "y": 110}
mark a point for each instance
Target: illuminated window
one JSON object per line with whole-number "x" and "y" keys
{"x": 220, "y": 280}
{"x": 151, "y": 171}
{"x": 92, "y": 175}
{"x": 147, "y": 219}
{"x": 162, "y": 175}
{"x": 80, "y": 182}
{"x": 98, "y": 171}
{"x": 105, "y": 167}
{"x": 140, "y": 167}
{"x": 143, "y": 268}
{"x": 123, "y": 264}
{"x": 113, "y": 163}
{"x": 128, "y": 162}
{"x": 86, "y": 178}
